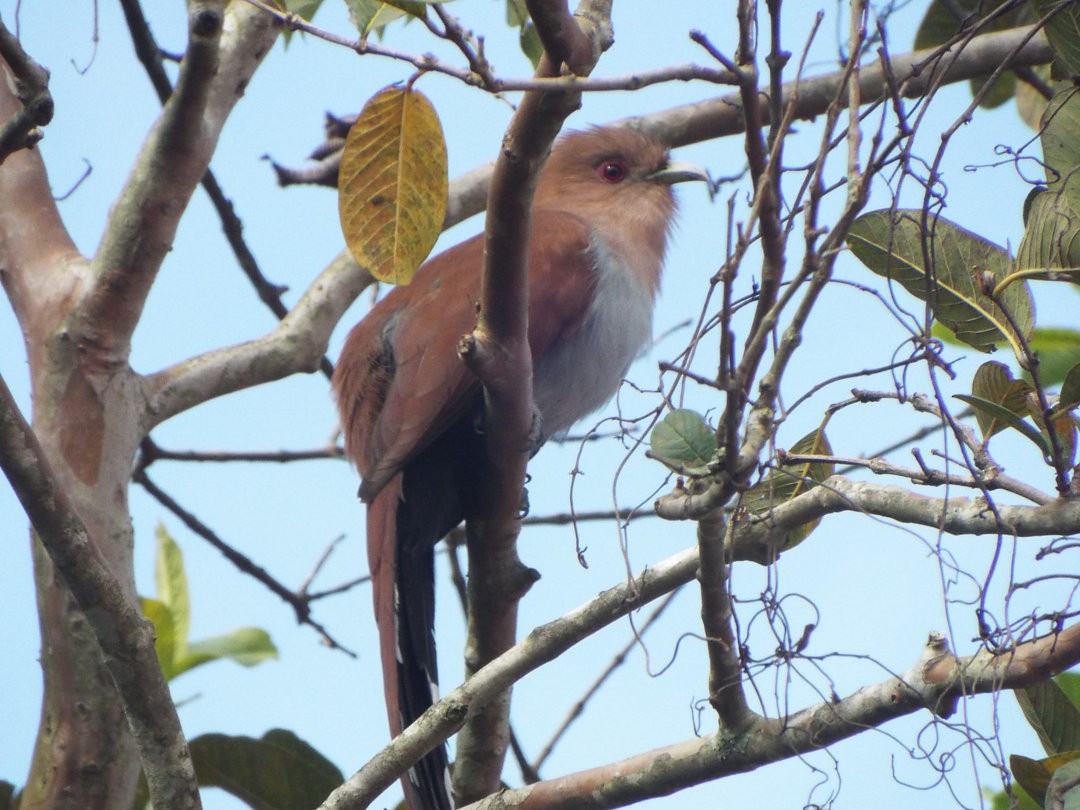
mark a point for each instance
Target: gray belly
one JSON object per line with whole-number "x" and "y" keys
{"x": 585, "y": 371}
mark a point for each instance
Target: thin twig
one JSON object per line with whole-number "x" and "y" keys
{"x": 299, "y": 603}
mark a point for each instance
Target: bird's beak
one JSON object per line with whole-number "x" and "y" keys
{"x": 678, "y": 171}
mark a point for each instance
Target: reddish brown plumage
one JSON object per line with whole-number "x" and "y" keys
{"x": 409, "y": 406}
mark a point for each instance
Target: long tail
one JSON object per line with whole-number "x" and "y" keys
{"x": 410, "y": 514}
{"x": 403, "y": 581}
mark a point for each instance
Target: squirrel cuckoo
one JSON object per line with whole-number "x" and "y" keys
{"x": 411, "y": 410}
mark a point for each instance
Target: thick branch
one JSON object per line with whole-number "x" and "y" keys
{"x": 759, "y": 537}
{"x": 936, "y": 682}
{"x": 563, "y": 39}
{"x": 725, "y": 663}
{"x": 543, "y": 644}
{"x": 913, "y": 72}
{"x": 31, "y": 85}
{"x": 295, "y": 345}
{"x": 498, "y": 351}
{"x": 173, "y": 160}
{"x": 35, "y": 247}
{"x": 125, "y": 637}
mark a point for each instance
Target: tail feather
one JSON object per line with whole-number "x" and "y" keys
{"x": 416, "y": 509}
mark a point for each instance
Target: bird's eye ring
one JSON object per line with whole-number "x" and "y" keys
{"x": 613, "y": 170}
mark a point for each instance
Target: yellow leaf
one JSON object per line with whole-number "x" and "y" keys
{"x": 392, "y": 185}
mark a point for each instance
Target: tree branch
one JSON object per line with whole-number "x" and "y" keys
{"x": 543, "y": 644}
{"x": 937, "y": 681}
{"x": 297, "y": 344}
{"x": 150, "y": 55}
{"x": 174, "y": 158}
{"x": 30, "y": 82}
{"x": 36, "y": 251}
{"x": 125, "y": 637}
{"x": 725, "y": 659}
{"x": 758, "y": 537}
{"x": 498, "y": 352}
{"x": 913, "y": 72}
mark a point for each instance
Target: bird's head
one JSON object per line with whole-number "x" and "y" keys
{"x": 619, "y": 181}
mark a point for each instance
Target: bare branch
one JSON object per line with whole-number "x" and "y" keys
{"x": 620, "y": 658}
{"x": 297, "y": 344}
{"x": 299, "y": 601}
{"x": 759, "y": 536}
{"x": 994, "y": 480}
{"x": 937, "y": 681}
{"x": 725, "y": 660}
{"x": 543, "y": 644}
{"x": 173, "y": 160}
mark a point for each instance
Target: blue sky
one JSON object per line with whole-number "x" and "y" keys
{"x": 874, "y": 590}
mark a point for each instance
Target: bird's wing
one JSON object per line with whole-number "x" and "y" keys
{"x": 427, "y": 386}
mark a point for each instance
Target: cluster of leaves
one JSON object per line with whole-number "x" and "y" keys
{"x": 372, "y": 17}
{"x": 946, "y": 20}
{"x": 685, "y": 443}
{"x": 274, "y": 772}
{"x": 975, "y": 289}
{"x": 170, "y": 612}
{"x": 1053, "y": 710}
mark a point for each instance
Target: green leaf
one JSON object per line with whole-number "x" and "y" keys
{"x": 1052, "y": 217}
{"x": 1061, "y": 422}
{"x": 374, "y": 15}
{"x": 1063, "y": 31}
{"x": 1064, "y": 789}
{"x": 530, "y": 44}
{"x": 946, "y": 18}
{"x": 305, "y": 9}
{"x": 1058, "y": 350}
{"x": 1050, "y": 247}
{"x": 1034, "y": 775}
{"x": 165, "y": 641}
{"x": 993, "y": 382}
{"x": 1054, "y": 717}
{"x": 517, "y": 13}
{"x": 1019, "y": 800}
{"x": 1069, "y": 682}
{"x": 247, "y": 646}
{"x": 997, "y": 413}
{"x": 278, "y": 772}
{"x": 952, "y": 282}
{"x": 1060, "y": 140}
{"x": 1069, "y": 395}
{"x": 1030, "y": 102}
{"x": 684, "y": 442}
{"x": 171, "y": 582}
{"x": 171, "y": 616}
{"x": 788, "y": 481}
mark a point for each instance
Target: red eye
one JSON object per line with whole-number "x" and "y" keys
{"x": 613, "y": 171}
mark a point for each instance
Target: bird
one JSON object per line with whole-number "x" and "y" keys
{"x": 411, "y": 412}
